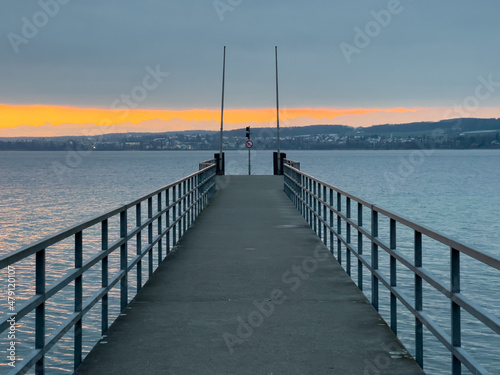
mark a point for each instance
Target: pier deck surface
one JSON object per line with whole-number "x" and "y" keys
{"x": 250, "y": 247}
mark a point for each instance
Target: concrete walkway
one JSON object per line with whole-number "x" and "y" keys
{"x": 250, "y": 290}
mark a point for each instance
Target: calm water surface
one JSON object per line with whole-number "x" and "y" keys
{"x": 454, "y": 192}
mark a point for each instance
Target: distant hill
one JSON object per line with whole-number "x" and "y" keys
{"x": 444, "y": 127}
{"x": 449, "y": 127}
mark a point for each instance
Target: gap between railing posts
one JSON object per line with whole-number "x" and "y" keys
{"x": 177, "y": 206}
{"x": 315, "y": 198}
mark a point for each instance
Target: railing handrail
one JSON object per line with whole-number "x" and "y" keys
{"x": 52, "y": 239}
{"x": 309, "y": 195}
{"x": 482, "y": 256}
{"x": 207, "y": 163}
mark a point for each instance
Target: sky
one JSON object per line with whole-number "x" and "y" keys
{"x": 75, "y": 67}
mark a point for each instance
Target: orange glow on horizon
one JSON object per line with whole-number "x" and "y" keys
{"x": 12, "y": 116}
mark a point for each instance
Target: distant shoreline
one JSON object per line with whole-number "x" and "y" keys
{"x": 270, "y": 150}
{"x": 456, "y": 134}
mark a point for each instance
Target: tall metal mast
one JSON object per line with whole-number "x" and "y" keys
{"x": 222, "y": 104}
{"x": 277, "y": 103}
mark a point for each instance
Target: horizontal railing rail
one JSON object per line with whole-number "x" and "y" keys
{"x": 321, "y": 205}
{"x": 177, "y": 206}
{"x": 292, "y": 163}
{"x": 207, "y": 163}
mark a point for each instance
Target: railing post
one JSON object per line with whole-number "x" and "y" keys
{"x": 78, "y": 300}
{"x": 214, "y": 185}
{"x": 123, "y": 260}
{"x": 325, "y": 226}
{"x": 303, "y": 195}
{"x": 310, "y": 199}
{"x": 203, "y": 187}
{"x": 374, "y": 261}
{"x": 179, "y": 199}
{"x": 189, "y": 202}
{"x": 159, "y": 206}
{"x": 184, "y": 207}
{"x": 285, "y": 181}
{"x": 306, "y": 199}
{"x": 298, "y": 191}
{"x": 193, "y": 199}
{"x": 104, "y": 277}
{"x": 331, "y": 221}
{"x": 198, "y": 194}
{"x": 360, "y": 246}
{"x": 348, "y": 237}
{"x": 339, "y": 228}
{"x": 167, "y": 218}
{"x": 419, "y": 330}
{"x": 320, "y": 226}
{"x": 290, "y": 190}
{"x": 150, "y": 235}
{"x": 138, "y": 223}
{"x": 315, "y": 201}
{"x": 290, "y": 185}
{"x": 174, "y": 216}
{"x": 40, "y": 310}
{"x": 456, "y": 335}
{"x": 393, "y": 276}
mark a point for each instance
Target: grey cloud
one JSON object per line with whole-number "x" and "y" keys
{"x": 92, "y": 51}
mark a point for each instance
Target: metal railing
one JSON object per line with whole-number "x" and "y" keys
{"x": 321, "y": 205}
{"x": 207, "y": 163}
{"x": 177, "y": 206}
{"x": 291, "y": 163}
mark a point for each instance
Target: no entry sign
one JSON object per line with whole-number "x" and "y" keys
{"x": 249, "y": 143}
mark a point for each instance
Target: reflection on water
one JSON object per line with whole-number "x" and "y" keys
{"x": 455, "y": 192}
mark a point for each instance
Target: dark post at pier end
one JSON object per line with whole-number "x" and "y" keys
{"x": 221, "y": 163}
{"x": 278, "y": 162}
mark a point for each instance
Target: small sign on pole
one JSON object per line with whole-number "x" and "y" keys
{"x": 249, "y": 145}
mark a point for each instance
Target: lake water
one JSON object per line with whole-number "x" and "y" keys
{"x": 453, "y": 192}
